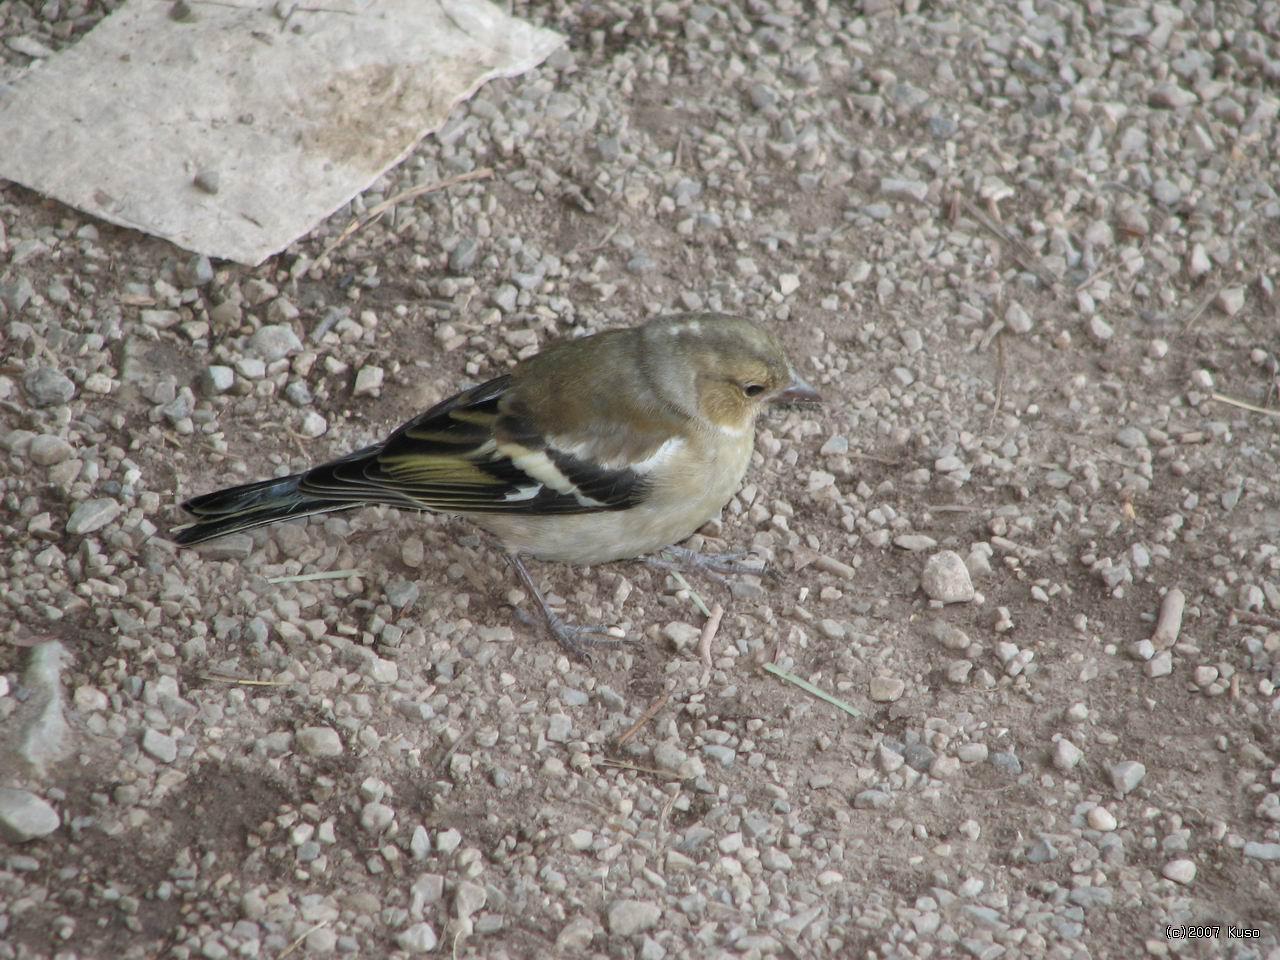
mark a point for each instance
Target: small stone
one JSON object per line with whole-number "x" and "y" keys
{"x": 274, "y": 342}
{"x": 25, "y": 816}
{"x": 92, "y": 515}
{"x": 1131, "y": 438}
{"x": 159, "y": 745}
{"x": 376, "y": 817}
{"x": 1198, "y": 262}
{"x": 683, "y": 636}
{"x": 1262, "y": 851}
{"x": 313, "y": 425}
{"x": 886, "y": 689}
{"x": 418, "y": 938}
{"x": 1202, "y": 379}
{"x": 1099, "y": 329}
{"x": 1066, "y": 755}
{"x": 946, "y": 578}
{"x": 629, "y": 917}
{"x": 898, "y": 189}
{"x": 1161, "y": 665}
{"x": 1170, "y": 96}
{"x": 1042, "y": 851}
{"x": 463, "y": 256}
{"x": 319, "y": 742}
{"x": 915, "y": 542}
{"x": 559, "y": 728}
{"x": 46, "y": 450}
{"x": 1017, "y": 319}
{"x": 368, "y": 382}
{"x": 48, "y": 387}
{"x": 217, "y": 379}
{"x": 469, "y": 898}
{"x": 1179, "y": 871}
{"x": 788, "y": 283}
{"x": 1231, "y": 300}
{"x": 1101, "y": 819}
{"x": 1126, "y": 775}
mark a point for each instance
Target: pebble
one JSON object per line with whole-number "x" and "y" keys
{"x": 1066, "y": 755}
{"x": 1231, "y": 300}
{"x": 1126, "y": 775}
{"x": 217, "y": 379}
{"x": 368, "y": 382}
{"x": 1262, "y": 851}
{"x": 1179, "y": 871}
{"x": 1102, "y": 819}
{"x": 92, "y": 515}
{"x": 159, "y": 745}
{"x": 313, "y": 425}
{"x": 628, "y": 917}
{"x": 274, "y": 342}
{"x": 417, "y": 938}
{"x": 319, "y": 742}
{"x": 25, "y": 816}
{"x": 1017, "y": 319}
{"x": 946, "y": 578}
{"x": 886, "y": 689}
{"x": 47, "y": 450}
{"x": 48, "y": 387}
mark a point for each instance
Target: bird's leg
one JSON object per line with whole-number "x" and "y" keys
{"x": 574, "y": 639}
{"x": 713, "y": 564}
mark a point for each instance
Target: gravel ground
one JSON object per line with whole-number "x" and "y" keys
{"x": 1029, "y": 253}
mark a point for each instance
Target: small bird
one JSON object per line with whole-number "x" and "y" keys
{"x": 600, "y": 448}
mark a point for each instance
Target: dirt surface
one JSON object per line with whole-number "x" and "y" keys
{"x": 1027, "y": 253}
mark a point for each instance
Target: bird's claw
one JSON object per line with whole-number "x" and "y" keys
{"x": 574, "y": 639}
{"x": 733, "y": 564}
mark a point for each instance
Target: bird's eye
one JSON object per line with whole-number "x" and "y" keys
{"x": 753, "y": 389}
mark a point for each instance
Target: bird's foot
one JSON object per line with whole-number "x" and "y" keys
{"x": 575, "y": 639}
{"x": 716, "y": 565}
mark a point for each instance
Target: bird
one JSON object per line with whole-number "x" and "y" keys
{"x": 598, "y": 448}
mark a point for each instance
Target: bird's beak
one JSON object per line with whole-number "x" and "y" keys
{"x": 799, "y": 391}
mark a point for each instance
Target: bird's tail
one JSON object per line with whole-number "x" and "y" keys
{"x": 251, "y": 505}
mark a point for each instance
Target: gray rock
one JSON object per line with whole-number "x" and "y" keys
{"x": 159, "y": 745}
{"x": 629, "y": 917}
{"x": 1042, "y": 851}
{"x": 25, "y": 816}
{"x": 217, "y": 379}
{"x": 92, "y": 515}
{"x": 463, "y": 257}
{"x": 319, "y": 742}
{"x": 46, "y": 450}
{"x": 559, "y": 728}
{"x": 418, "y": 938}
{"x": 48, "y": 387}
{"x": 274, "y": 342}
{"x": 39, "y": 727}
{"x": 946, "y": 578}
{"x": 1126, "y": 775}
{"x": 1262, "y": 851}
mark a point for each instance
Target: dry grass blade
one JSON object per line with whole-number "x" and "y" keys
{"x": 656, "y": 771}
{"x": 808, "y": 687}
{"x": 241, "y": 681}
{"x": 709, "y": 634}
{"x": 645, "y": 717}
{"x": 1223, "y": 398}
{"x": 1021, "y": 252}
{"x": 693, "y": 594}
{"x": 378, "y": 210}
{"x": 322, "y": 575}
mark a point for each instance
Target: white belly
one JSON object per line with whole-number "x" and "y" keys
{"x": 672, "y": 512}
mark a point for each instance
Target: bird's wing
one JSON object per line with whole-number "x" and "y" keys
{"x": 482, "y": 452}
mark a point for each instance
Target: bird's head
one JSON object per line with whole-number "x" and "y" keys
{"x": 726, "y": 368}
